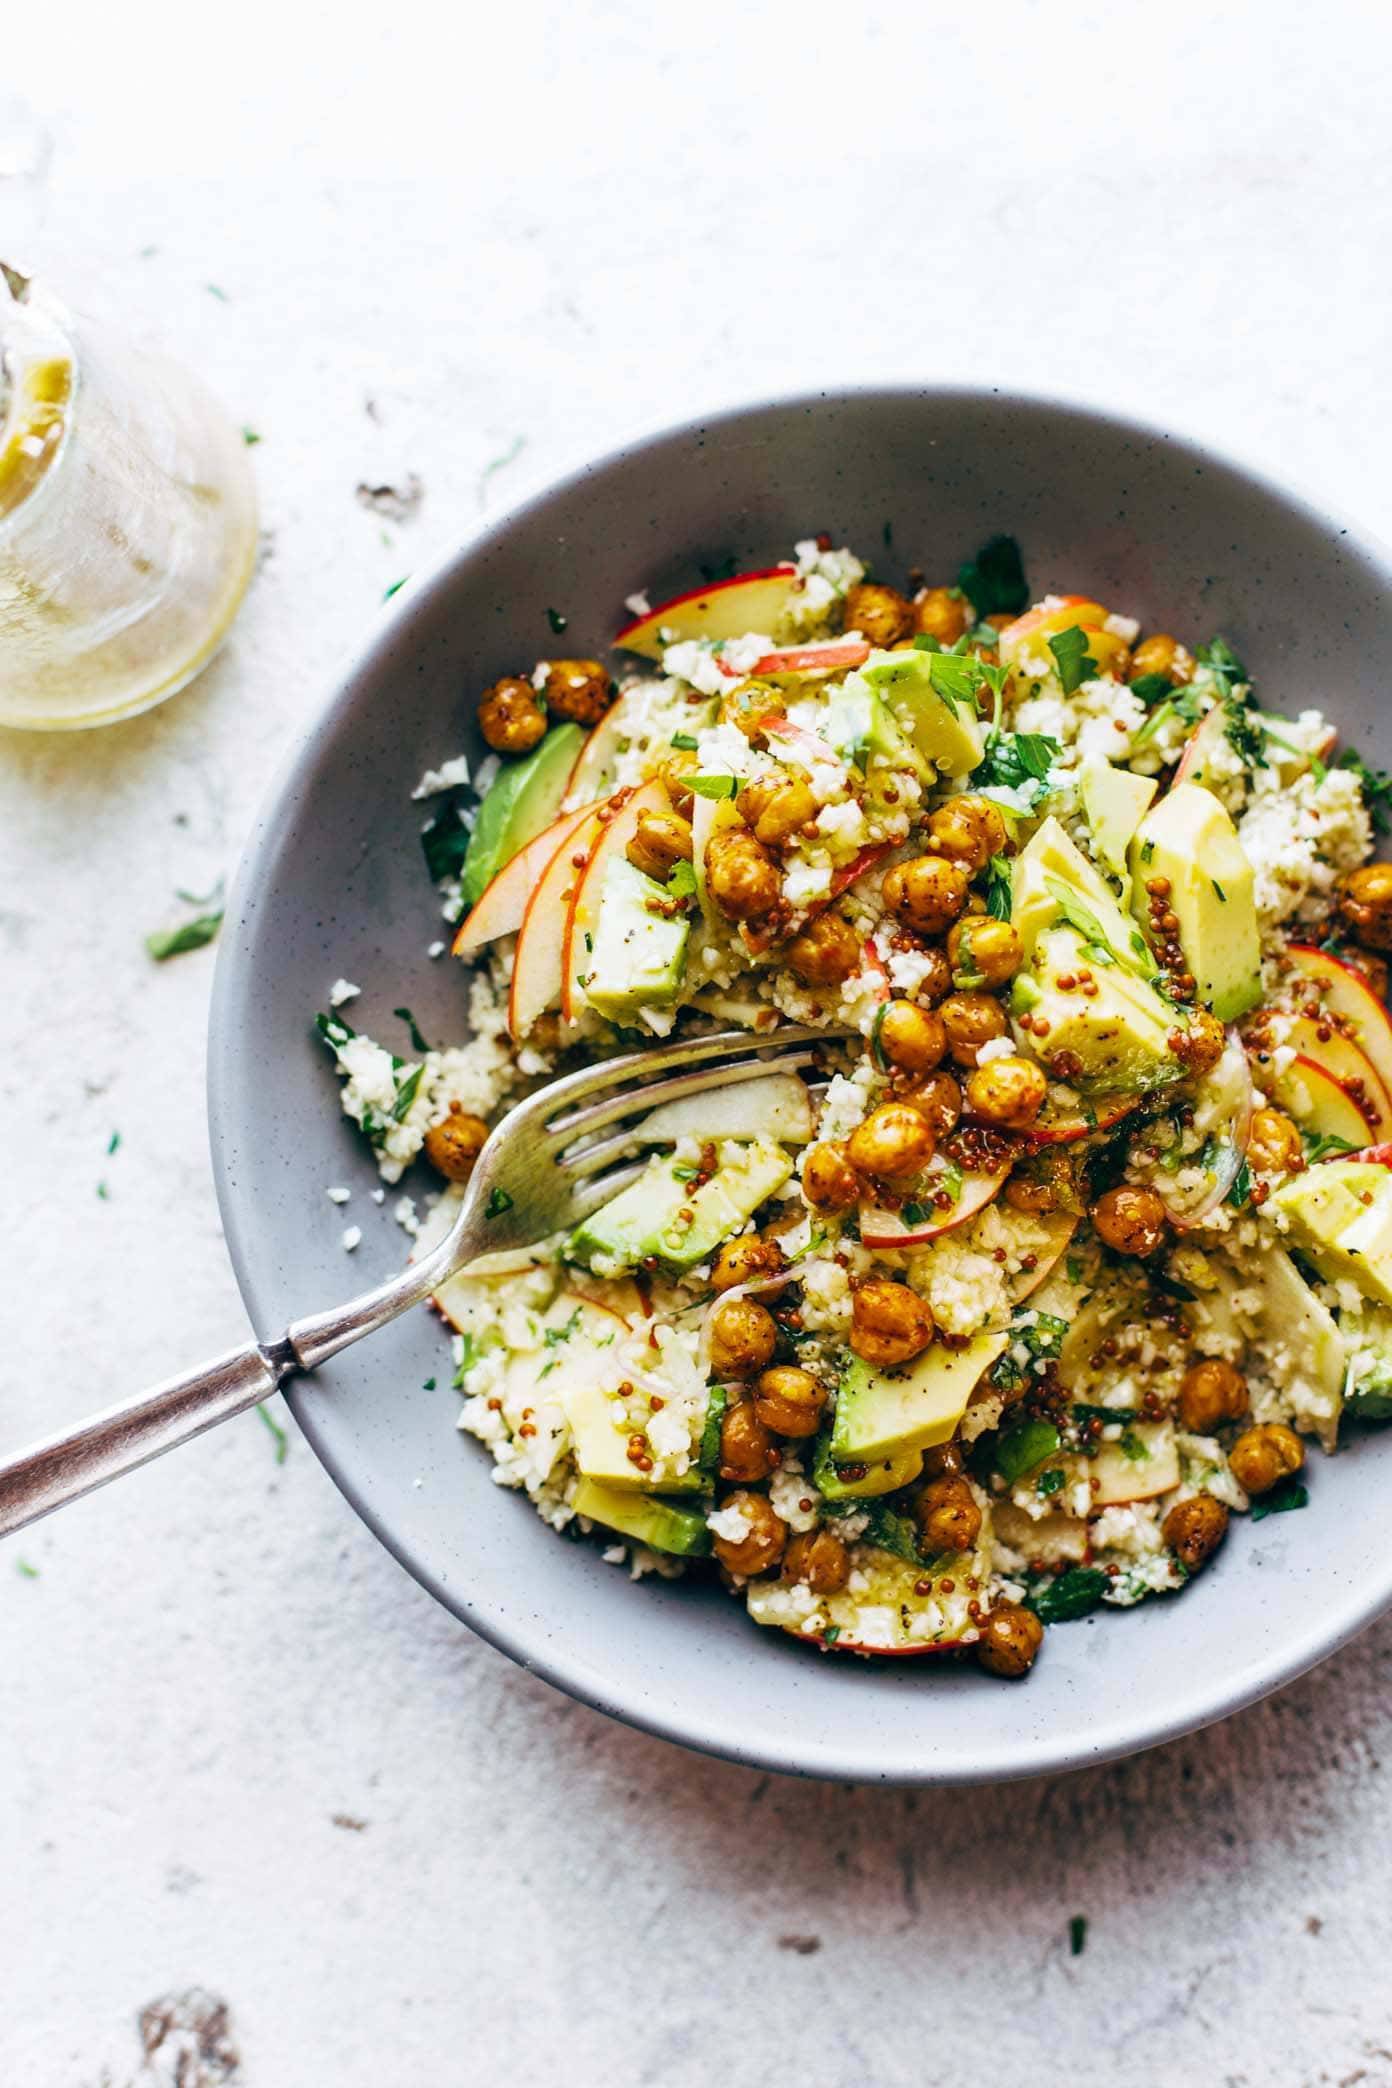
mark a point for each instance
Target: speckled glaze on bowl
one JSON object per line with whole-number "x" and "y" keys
{"x": 332, "y": 884}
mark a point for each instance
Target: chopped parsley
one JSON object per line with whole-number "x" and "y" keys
{"x": 1075, "y": 663}
{"x": 713, "y": 786}
{"x": 994, "y": 581}
{"x": 395, "y": 587}
{"x": 956, "y": 677}
{"x": 682, "y": 882}
{"x": 998, "y": 888}
{"x": 1376, "y": 786}
{"x": 1077, "y": 1935}
{"x": 445, "y": 843}
{"x": 250, "y": 437}
{"x": 1025, "y": 1446}
{"x": 684, "y": 1171}
{"x": 1222, "y": 895}
{"x": 468, "y": 1357}
{"x": 1017, "y": 761}
{"x": 429, "y": 1385}
{"x": 951, "y": 1180}
{"x": 916, "y": 1214}
{"x": 1050, "y": 1482}
{"x": 1075, "y": 1593}
{"x": 25, "y": 1570}
{"x": 1290, "y": 1494}
{"x": 1324, "y": 1145}
{"x": 103, "y": 1192}
{"x": 831, "y": 1634}
{"x": 498, "y": 1202}
{"x": 1240, "y": 1194}
{"x": 1106, "y": 1415}
{"x": 164, "y": 943}
{"x": 1083, "y": 919}
{"x": 1133, "y": 1449}
{"x": 557, "y": 622}
{"x": 1222, "y": 663}
{"x": 406, "y": 1092}
{"x": 1245, "y": 736}
{"x": 113, "y": 1143}
{"x": 278, "y": 1435}
{"x": 687, "y": 741}
{"x": 1151, "y": 689}
{"x": 418, "y": 1042}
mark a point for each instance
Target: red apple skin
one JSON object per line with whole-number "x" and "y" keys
{"x": 1107, "y": 1111}
{"x": 977, "y": 1191}
{"x": 1348, "y": 1064}
{"x": 641, "y": 635}
{"x": 1347, "y": 993}
{"x": 618, "y": 823}
{"x": 501, "y": 905}
{"x": 1370, "y": 1156}
{"x": 537, "y": 978}
{"x": 827, "y": 658}
{"x": 1336, "y": 1112}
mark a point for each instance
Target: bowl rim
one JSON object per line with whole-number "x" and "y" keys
{"x": 570, "y": 1670}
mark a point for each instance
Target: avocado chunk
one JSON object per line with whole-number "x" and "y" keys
{"x": 1119, "y": 1035}
{"x": 1368, "y": 1336}
{"x": 1189, "y": 839}
{"x": 884, "y": 1414}
{"x": 601, "y": 1433}
{"x": 665, "y": 1526}
{"x": 859, "y": 724}
{"x": 1053, "y": 881}
{"x": 945, "y": 732}
{"x": 1340, "y": 1215}
{"x": 665, "y": 1217}
{"x": 1114, "y": 803}
{"x": 523, "y": 798}
{"x": 862, "y": 1480}
{"x": 640, "y": 941}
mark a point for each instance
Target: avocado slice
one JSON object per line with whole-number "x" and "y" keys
{"x": 664, "y": 1217}
{"x": 600, "y": 1433}
{"x": 1369, "y": 1338}
{"x": 523, "y": 798}
{"x": 640, "y": 942}
{"x": 858, "y": 723}
{"x": 1114, "y": 802}
{"x": 1189, "y": 839}
{"x": 885, "y": 1414}
{"x": 1119, "y": 1035}
{"x": 665, "y": 1526}
{"x": 1053, "y": 881}
{"x": 1340, "y": 1215}
{"x": 944, "y": 732}
{"x": 864, "y": 1479}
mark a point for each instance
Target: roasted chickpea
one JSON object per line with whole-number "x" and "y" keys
{"x": 751, "y": 1258}
{"x": 1044, "y": 1182}
{"x": 829, "y": 1182}
{"x": 741, "y": 876}
{"x": 881, "y": 614}
{"x": 1210, "y": 1393}
{"x": 746, "y": 1447}
{"x": 742, "y": 1338}
{"x": 819, "y": 1558}
{"x": 971, "y": 1019}
{"x": 890, "y": 1324}
{"x": 941, "y": 613}
{"x": 947, "y": 1515}
{"x": 660, "y": 841}
{"x": 938, "y": 1100}
{"x": 1194, "y": 1529}
{"x": 825, "y": 952}
{"x": 1262, "y": 1457}
{"x": 1199, "y": 1047}
{"x": 749, "y": 704}
{"x": 1007, "y": 1091}
{"x": 1010, "y": 1640}
{"x": 675, "y": 773}
{"x": 1365, "y": 902}
{"x": 892, "y": 1144}
{"x": 1162, "y": 655}
{"x": 761, "y": 1546}
{"x": 911, "y": 1037}
{"x": 983, "y": 951}
{"x": 927, "y": 892}
{"x": 510, "y": 717}
{"x": 943, "y": 1461}
{"x": 776, "y": 811}
{"x": 578, "y": 689}
{"x": 1373, "y": 968}
{"x": 453, "y": 1145}
{"x": 1132, "y": 1221}
{"x": 789, "y": 1401}
{"x": 968, "y": 829}
{"x": 1274, "y": 1144}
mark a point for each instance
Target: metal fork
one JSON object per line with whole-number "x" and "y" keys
{"x": 541, "y": 1172}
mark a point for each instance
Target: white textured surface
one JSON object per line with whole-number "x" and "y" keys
{"x": 238, "y": 1748}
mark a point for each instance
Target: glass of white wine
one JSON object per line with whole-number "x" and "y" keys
{"x": 127, "y": 520}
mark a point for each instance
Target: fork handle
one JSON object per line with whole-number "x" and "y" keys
{"x": 65, "y": 1466}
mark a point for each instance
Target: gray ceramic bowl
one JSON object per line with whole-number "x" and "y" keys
{"x": 333, "y": 884}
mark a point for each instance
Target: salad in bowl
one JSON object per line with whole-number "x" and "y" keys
{"x": 1077, "y": 1233}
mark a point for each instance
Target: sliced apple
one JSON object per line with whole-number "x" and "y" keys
{"x": 1045, "y": 1236}
{"x": 725, "y": 609}
{"x": 1203, "y": 743}
{"x": 593, "y": 774}
{"x": 1222, "y": 1124}
{"x": 1065, "y": 1123}
{"x": 1345, "y": 1062}
{"x": 881, "y": 1227}
{"x": 618, "y": 822}
{"x": 826, "y": 656}
{"x": 1318, "y": 1103}
{"x": 1142, "y": 1465}
{"x": 1346, "y": 994}
{"x": 504, "y": 901}
{"x": 537, "y": 967}
{"x": 1369, "y": 1156}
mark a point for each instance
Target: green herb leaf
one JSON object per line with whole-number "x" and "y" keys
{"x": 1282, "y": 1499}
{"x": 687, "y": 741}
{"x": 406, "y": 1092}
{"x": 682, "y": 882}
{"x": 1077, "y": 1935}
{"x": 113, "y": 1143}
{"x": 1240, "y": 1194}
{"x": 713, "y": 786}
{"x": 1015, "y": 759}
{"x": 557, "y": 622}
{"x": 951, "y": 1180}
{"x": 250, "y": 437}
{"x": 1244, "y": 735}
{"x": 1151, "y": 689}
{"x": 418, "y": 1042}
{"x": 1075, "y": 1593}
{"x": 395, "y": 588}
{"x": 25, "y": 1570}
{"x": 429, "y": 1385}
{"x": 468, "y": 1357}
{"x": 1376, "y": 785}
{"x": 1323, "y": 1145}
{"x": 956, "y": 679}
{"x": 189, "y": 935}
{"x": 994, "y": 581}
{"x": 1082, "y": 918}
{"x": 1075, "y": 663}
{"x": 103, "y": 1192}
{"x": 278, "y": 1435}
{"x": 915, "y": 1214}
{"x": 1021, "y": 1448}
{"x": 1050, "y": 1482}
{"x": 1219, "y": 656}
{"x": 1133, "y": 1449}
{"x": 831, "y": 1634}
{"x": 998, "y": 888}
{"x": 1105, "y": 1415}
{"x": 445, "y": 843}
{"x": 498, "y": 1202}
